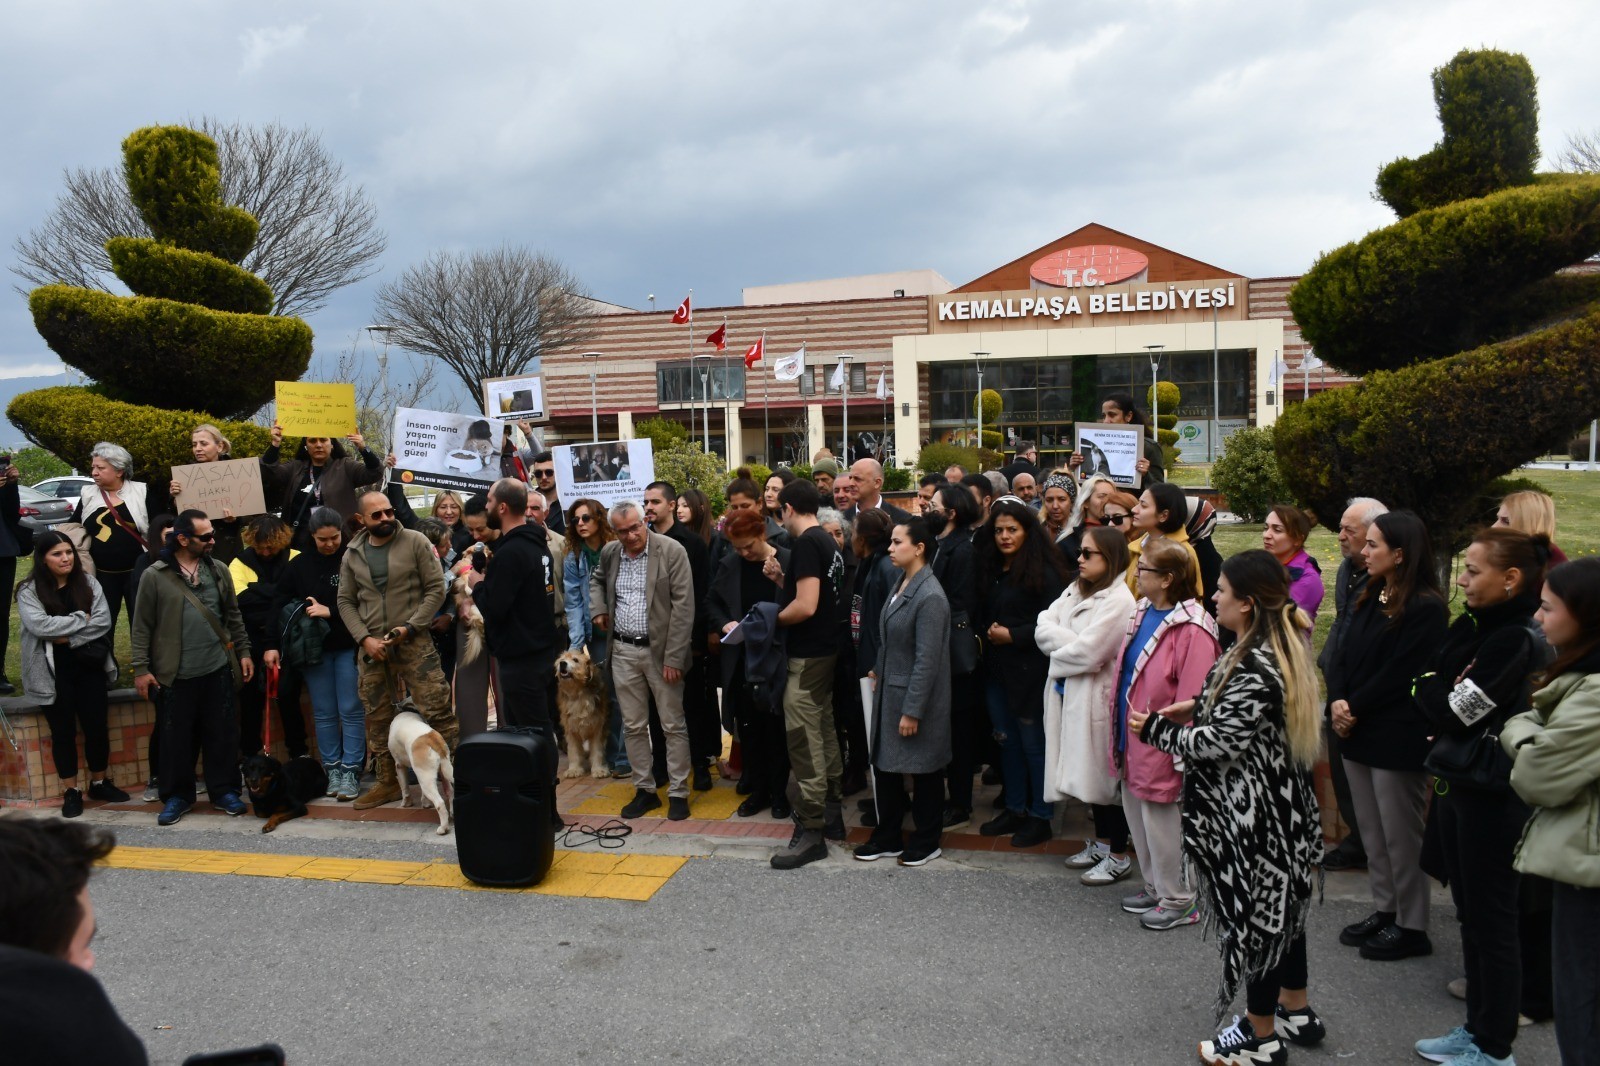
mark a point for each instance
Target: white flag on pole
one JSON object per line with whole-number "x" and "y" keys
{"x": 790, "y": 367}
{"x": 883, "y": 389}
{"x": 837, "y": 380}
{"x": 1279, "y": 368}
{"x": 1312, "y": 360}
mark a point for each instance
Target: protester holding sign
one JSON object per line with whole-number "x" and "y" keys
{"x": 321, "y": 474}
{"x": 210, "y": 446}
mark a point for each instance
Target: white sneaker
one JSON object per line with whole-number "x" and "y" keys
{"x": 1108, "y": 871}
{"x": 1091, "y": 855}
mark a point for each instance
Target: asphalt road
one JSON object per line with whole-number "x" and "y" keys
{"x": 977, "y": 959}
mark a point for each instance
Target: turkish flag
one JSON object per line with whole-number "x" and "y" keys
{"x": 719, "y": 337}
{"x": 681, "y": 315}
{"x": 753, "y": 354}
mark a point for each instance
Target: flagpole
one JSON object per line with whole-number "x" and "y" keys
{"x": 690, "y": 335}
{"x": 766, "y": 409}
{"x": 727, "y": 401}
{"x": 844, "y": 405}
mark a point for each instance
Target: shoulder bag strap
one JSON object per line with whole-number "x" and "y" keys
{"x": 126, "y": 527}
{"x": 212, "y": 620}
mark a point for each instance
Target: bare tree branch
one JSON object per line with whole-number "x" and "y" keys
{"x": 1582, "y": 154}
{"x": 485, "y": 314}
{"x": 411, "y": 384}
{"x": 318, "y": 232}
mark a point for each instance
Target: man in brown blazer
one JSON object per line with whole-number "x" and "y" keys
{"x": 642, "y": 593}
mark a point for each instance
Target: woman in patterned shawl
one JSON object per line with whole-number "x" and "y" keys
{"x": 1252, "y": 836}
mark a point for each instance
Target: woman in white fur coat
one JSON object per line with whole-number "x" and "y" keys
{"x": 1081, "y": 633}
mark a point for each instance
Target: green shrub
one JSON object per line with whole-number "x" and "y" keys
{"x": 1431, "y": 437}
{"x": 163, "y": 352}
{"x": 36, "y": 464}
{"x": 1169, "y": 395}
{"x": 175, "y": 182}
{"x": 73, "y": 420}
{"x": 1438, "y": 281}
{"x": 662, "y": 432}
{"x": 994, "y": 406}
{"x": 759, "y": 473}
{"x": 938, "y": 457}
{"x": 1489, "y": 110}
{"x": 1247, "y": 474}
{"x": 896, "y": 479}
{"x": 687, "y": 466}
{"x": 151, "y": 268}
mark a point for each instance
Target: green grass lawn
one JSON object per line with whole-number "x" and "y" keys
{"x": 1577, "y": 496}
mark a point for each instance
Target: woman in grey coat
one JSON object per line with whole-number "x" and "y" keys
{"x": 910, "y": 730}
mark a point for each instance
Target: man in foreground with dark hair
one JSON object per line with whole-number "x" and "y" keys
{"x": 55, "y": 1010}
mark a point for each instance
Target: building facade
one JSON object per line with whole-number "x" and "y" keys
{"x": 1053, "y": 332}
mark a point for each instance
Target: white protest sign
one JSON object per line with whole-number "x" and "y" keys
{"x": 608, "y": 471}
{"x": 231, "y": 483}
{"x": 1110, "y": 450}
{"x": 448, "y": 451}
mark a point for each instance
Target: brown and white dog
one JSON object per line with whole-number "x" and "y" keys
{"x": 467, "y": 616}
{"x": 581, "y": 696}
{"x": 417, "y": 745}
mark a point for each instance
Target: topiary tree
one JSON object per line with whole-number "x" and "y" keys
{"x": 938, "y": 457}
{"x": 1477, "y": 360}
{"x": 1167, "y": 420}
{"x": 195, "y": 343}
{"x": 1247, "y": 474}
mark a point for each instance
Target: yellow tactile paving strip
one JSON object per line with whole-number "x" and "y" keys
{"x": 582, "y": 874}
{"x": 718, "y": 804}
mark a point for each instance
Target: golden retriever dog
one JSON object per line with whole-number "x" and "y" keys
{"x": 417, "y": 745}
{"x": 581, "y": 696}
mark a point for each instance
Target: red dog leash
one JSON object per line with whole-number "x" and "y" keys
{"x": 266, "y": 710}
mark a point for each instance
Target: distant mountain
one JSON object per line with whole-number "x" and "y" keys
{"x": 11, "y": 436}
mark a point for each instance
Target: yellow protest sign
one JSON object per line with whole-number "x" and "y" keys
{"x": 311, "y": 409}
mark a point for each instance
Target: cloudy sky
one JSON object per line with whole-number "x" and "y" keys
{"x": 654, "y": 148}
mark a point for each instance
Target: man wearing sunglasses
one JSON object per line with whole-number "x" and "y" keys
{"x": 390, "y": 587}
{"x": 191, "y": 653}
{"x": 543, "y": 472}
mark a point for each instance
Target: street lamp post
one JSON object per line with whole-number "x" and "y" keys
{"x": 594, "y": 395}
{"x": 844, "y": 404}
{"x": 977, "y": 406}
{"x": 383, "y": 378}
{"x": 1155, "y": 351}
{"x": 705, "y": 397}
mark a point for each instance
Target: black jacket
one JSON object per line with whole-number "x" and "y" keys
{"x": 315, "y": 575}
{"x": 1373, "y": 669}
{"x": 1020, "y": 666}
{"x": 900, "y": 517}
{"x": 1493, "y": 651}
{"x": 520, "y": 570}
{"x": 258, "y": 598}
{"x": 875, "y": 580}
{"x": 723, "y": 601}
{"x": 700, "y": 572}
{"x": 11, "y": 515}
{"x": 58, "y": 1013}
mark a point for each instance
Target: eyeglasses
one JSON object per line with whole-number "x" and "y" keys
{"x": 544, "y": 473}
{"x": 1089, "y": 553}
{"x": 579, "y": 519}
{"x": 1153, "y": 570}
{"x": 387, "y": 512}
{"x": 1117, "y": 519}
{"x": 201, "y": 536}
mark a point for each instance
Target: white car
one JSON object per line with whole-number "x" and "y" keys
{"x": 66, "y": 487}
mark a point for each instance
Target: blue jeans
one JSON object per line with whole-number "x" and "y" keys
{"x": 336, "y": 707}
{"x": 1021, "y": 753}
{"x": 616, "y": 751}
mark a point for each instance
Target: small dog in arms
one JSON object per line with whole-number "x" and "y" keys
{"x": 581, "y": 698}
{"x": 418, "y": 746}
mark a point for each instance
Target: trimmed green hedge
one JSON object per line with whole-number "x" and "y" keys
{"x": 1438, "y": 281}
{"x": 1432, "y": 437}
{"x": 151, "y": 268}
{"x": 166, "y": 353}
{"x": 1247, "y": 474}
{"x": 1489, "y": 110}
{"x": 175, "y": 182}
{"x": 938, "y": 457}
{"x": 70, "y": 421}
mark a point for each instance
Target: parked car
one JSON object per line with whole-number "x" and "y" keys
{"x": 66, "y": 487}
{"x": 40, "y": 511}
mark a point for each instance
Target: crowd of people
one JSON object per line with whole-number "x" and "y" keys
{"x": 1067, "y": 639}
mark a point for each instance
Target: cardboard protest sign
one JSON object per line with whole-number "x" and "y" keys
{"x": 519, "y": 398}
{"x": 1110, "y": 450}
{"x": 310, "y": 409}
{"x": 231, "y": 483}
{"x": 608, "y": 471}
{"x": 447, "y": 451}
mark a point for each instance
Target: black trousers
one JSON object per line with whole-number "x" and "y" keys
{"x": 8, "y": 580}
{"x": 1341, "y": 792}
{"x": 1536, "y": 898}
{"x": 763, "y": 743}
{"x": 1261, "y": 995}
{"x": 969, "y": 716}
{"x": 1111, "y": 825}
{"x": 205, "y": 706}
{"x": 926, "y": 804}
{"x": 119, "y": 590}
{"x": 699, "y": 715}
{"x": 80, "y": 699}
{"x": 522, "y": 701}
{"x": 253, "y": 707}
{"x": 1576, "y": 918}
{"x": 1478, "y": 832}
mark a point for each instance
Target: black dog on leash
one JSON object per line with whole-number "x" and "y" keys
{"x": 278, "y": 792}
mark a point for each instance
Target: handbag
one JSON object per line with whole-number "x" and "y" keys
{"x": 963, "y": 644}
{"x": 92, "y": 654}
{"x": 1476, "y": 762}
{"x": 79, "y": 536}
{"x": 301, "y": 637}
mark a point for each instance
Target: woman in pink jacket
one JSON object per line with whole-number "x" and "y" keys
{"x": 1284, "y": 535}
{"x": 1170, "y": 647}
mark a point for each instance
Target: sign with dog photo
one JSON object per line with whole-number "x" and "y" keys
{"x": 447, "y": 451}
{"x": 609, "y": 471}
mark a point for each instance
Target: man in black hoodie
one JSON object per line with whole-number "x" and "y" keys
{"x": 524, "y": 643}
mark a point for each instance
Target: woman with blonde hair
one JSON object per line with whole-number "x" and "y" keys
{"x": 1534, "y": 513}
{"x": 1249, "y": 807}
{"x": 208, "y": 445}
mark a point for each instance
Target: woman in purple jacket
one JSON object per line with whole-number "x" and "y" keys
{"x": 1284, "y": 535}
